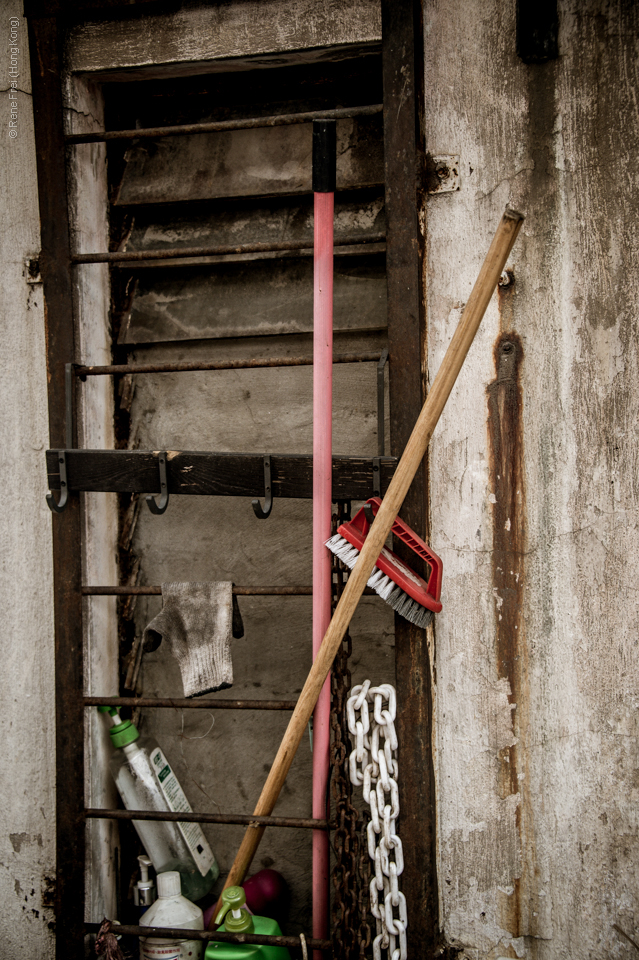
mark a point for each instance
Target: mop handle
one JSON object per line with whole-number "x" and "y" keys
{"x": 458, "y": 348}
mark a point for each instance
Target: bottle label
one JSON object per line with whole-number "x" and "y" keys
{"x": 180, "y": 950}
{"x": 176, "y": 799}
{"x": 151, "y": 951}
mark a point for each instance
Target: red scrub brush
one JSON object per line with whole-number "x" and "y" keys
{"x": 391, "y": 579}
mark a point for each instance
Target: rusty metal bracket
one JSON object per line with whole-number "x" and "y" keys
{"x": 377, "y": 477}
{"x": 64, "y": 487}
{"x": 506, "y": 361}
{"x": 442, "y": 173}
{"x": 158, "y": 507}
{"x": 383, "y": 360}
{"x": 62, "y": 454}
{"x": 263, "y": 512}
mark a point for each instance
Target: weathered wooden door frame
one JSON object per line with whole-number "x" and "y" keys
{"x": 403, "y": 77}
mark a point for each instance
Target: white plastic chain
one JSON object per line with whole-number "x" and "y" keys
{"x": 376, "y": 737}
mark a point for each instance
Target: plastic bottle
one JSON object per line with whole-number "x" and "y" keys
{"x": 144, "y": 891}
{"x": 145, "y": 781}
{"x": 241, "y": 921}
{"x": 171, "y": 909}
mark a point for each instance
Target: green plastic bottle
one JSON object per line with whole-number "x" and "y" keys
{"x": 239, "y": 920}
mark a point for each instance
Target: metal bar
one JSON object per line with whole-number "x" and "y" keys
{"x": 402, "y": 66}
{"x": 179, "y": 253}
{"x": 157, "y": 591}
{"x": 45, "y": 44}
{"x": 380, "y": 402}
{"x": 173, "y": 933}
{"x": 185, "y": 703}
{"x": 303, "y": 823}
{"x": 356, "y": 249}
{"x": 218, "y": 126}
{"x": 186, "y": 366}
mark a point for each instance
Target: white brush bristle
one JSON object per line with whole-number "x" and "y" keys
{"x": 382, "y": 584}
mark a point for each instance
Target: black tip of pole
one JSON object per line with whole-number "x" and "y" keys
{"x": 324, "y": 156}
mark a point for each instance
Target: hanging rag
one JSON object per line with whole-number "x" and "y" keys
{"x": 198, "y": 620}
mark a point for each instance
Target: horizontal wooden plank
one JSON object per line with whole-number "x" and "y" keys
{"x": 194, "y": 38}
{"x": 248, "y": 163}
{"x": 252, "y": 299}
{"x": 240, "y": 221}
{"x": 213, "y": 474}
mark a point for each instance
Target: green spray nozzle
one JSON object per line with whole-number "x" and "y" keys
{"x": 122, "y": 732}
{"x": 240, "y": 921}
{"x": 112, "y": 711}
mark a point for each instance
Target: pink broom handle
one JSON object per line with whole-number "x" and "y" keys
{"x": 324, "y": 158}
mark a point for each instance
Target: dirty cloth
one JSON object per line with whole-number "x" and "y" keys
{"x": 197, "y": 620}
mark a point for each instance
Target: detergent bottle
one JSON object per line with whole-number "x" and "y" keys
{"x": 145, "y": 781}
{"x": 171, "y": 909}
{"x": 237, "y": 919}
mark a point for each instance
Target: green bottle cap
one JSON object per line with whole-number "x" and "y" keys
{"x": 122, "y": 732}
{"x": 234, "y": 898}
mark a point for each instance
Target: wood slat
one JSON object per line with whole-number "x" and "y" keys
{"x": 402, "y": 57}
{"x": 247, "y": 163}
{"x": 44, "y": 47}
{"x": 213, "y": 474}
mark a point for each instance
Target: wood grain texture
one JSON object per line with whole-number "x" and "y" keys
{"x": 403, "y": 158}
{"x": 245, "y": 299}
{"x": 213, "y": 474}
{"x": 252, "y": 221}
{"x": 248, "y": 163}
{"x": 203, "y": 36}
{"x": 45, "y": 44}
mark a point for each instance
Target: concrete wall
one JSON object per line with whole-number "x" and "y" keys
{"x": 534, "y": 485}
{"x": 27, "y": 710}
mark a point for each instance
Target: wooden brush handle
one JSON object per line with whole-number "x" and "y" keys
{"x": 415, "y": 449}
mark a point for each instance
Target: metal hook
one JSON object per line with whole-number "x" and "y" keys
{"x": 263, "y": 513}
{"x": 64, "y": 487}
{"x": 160, "y": 506}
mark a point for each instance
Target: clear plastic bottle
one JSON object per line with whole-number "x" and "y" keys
{"x": 145, "y": 781}
{"x": 171, "y": 910}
